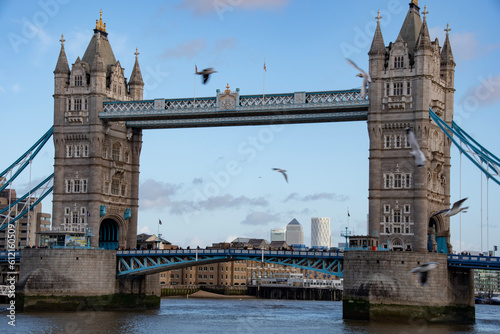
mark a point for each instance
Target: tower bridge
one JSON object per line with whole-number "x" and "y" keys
{"x": 98, "y": 121}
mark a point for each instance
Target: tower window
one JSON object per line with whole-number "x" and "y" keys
{"x": 78, "y": 104}
{"x": 387, "y": 208}
{"x": 78, "y": 81}
{"x": 399, "y": 62}
{"x": 115, "y": 187}
{"x": 397, "y": 181}
{"x": 397, "y": 216}
{"x": 407, "y": 208}
{"x": 76, "y": 186}
{"x": 387, "y": 180}
{"x": 116, "y": 152}
{"x": 387, "y": 141}
{"x": 397, "y": 142}
{"x": 398, "y": 88}
{"x": 407, "y": 180}
{"x": 69, "y": 151}
{"x": 408, "y": 89}
{"x": 387, "y": 89}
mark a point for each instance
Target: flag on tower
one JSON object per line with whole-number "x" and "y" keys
{"x": 265, "y": 68}
{"x": 348, "y": 215}
{"x": 195, "y": 68}
{"x": 159, "y": 221}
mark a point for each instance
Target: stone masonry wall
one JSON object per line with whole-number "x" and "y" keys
{"x": 67, "y": 272}
{"x": 385, "y": 278}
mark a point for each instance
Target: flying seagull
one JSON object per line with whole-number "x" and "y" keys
{"x": 423, "y": 271}
{"x": 455, "y": 208}
{"x": 415, "y": 148}
{"x": 282, "y": 171}
{"x": 366, "y": 77}
{"x": 206, "y": 73}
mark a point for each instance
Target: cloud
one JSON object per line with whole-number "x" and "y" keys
{"x": 144, "y": 229}
{"x": 204, "y": 7}
{"x": 154, "y": 194}
{"x": 197, "y": 180}
{"x": 486, "y": 93}
{"x": 260, "y": 218}
{"x": 465, "y": 45}
{"x": 229, "y": 201}
{"x": 188, "y": 49}
{"x": 215, "y": 203}
{"x": 316, "y": 197}
{"x": 16, "y": 88}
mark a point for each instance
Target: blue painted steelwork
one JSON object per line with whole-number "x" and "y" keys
{"x": 4, "y": 256}
{"x": 23, "y": 161}
{"x": 108, "y": 234}
{"x": 132, "y": 263}
{"x": 474, "y": 262}
{"x": 300, "y": 107}
{"x": 474, "y": 152}
{"x": 39, "y": 193}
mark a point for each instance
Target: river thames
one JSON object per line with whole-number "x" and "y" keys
{"x": 178, "y": 315}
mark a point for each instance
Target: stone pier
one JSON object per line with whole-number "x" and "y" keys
{"x": 80, "y": 279}
{"x": 378, "y": 286}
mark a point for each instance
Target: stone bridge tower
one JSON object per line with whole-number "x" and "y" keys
{"x": 96, "y": 164}
{"x": 409, "y": 76}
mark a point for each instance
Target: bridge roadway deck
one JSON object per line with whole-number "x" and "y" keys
{"x": 299, "y": 107}
{"x": 142, "y": 262}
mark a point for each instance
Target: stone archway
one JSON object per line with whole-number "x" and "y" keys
{"x": 109, "y": 234}
{"x": 437, "y": 235}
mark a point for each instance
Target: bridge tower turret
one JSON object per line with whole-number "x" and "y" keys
{"x": 96, "y": 164}
{"x": 409, "y": 76}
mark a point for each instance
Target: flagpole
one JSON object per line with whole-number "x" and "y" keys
{"x": 264, "y": 84}
{"x": 194, "y": 83}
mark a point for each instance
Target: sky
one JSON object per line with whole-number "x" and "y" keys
{"x": 304, "y": 45}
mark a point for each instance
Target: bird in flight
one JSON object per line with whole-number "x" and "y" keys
{"x": 423, "y": 271}
{"x": 282, "y": 171}
{"x": 415, "y": 149}
{"x": 205, "y": 73}
{"x": 366, "y": 77}
{"x": 455, "y": 208}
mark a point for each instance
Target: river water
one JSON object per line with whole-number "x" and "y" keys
{"x": 235, "y": 316}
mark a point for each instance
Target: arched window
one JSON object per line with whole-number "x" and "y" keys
{"x": 116, "y": 151}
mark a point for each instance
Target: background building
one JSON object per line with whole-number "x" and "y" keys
{"x": 321, "y": 236}
{"x": 278, "y": 234}
{"x": 294, "y": 233}
{"x": 27, "y": 227}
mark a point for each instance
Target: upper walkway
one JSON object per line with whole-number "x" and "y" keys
{"x": 231, "y": 109}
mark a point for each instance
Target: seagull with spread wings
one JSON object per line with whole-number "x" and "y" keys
{"x": 455, "y": 208}
{"x": 362, "y": 74}
{"x": 423, "y": 271}
{"x": 205, "y": 73}
{"x": 415, "y": 149}
{"x": 282, "y": 171}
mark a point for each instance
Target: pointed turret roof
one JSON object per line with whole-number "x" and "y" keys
{"x": 136, "y": 76}
{"x": 424, "y": 39}
{"x": 294, "y": 222}
{"x": 100, "y": 37}
{"x": 378, "y": 46}
{"x": 411, "y": 26}
{"x": 446, "y": 54}
{"x": 62, "y": 62}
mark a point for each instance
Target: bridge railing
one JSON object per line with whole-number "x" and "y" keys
{"x": 228, "y": 252}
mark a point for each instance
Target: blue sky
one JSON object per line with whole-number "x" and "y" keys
{"x": 304, "y": 45}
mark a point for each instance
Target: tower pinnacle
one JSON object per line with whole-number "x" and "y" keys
{"x": 99, "y": 25}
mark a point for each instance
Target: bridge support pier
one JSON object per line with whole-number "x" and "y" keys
{"x": 379, "y": 287}
{"x": 80, "y": 279}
